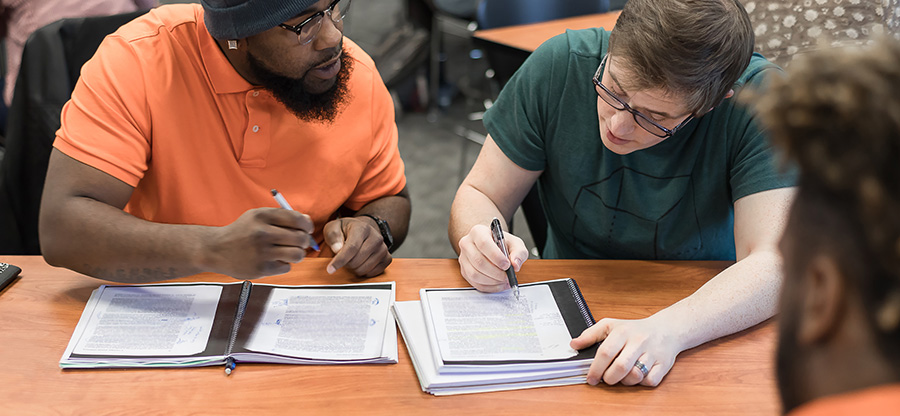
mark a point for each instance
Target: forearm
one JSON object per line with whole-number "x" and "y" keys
{"x": 105, "y": 242}
{"x": 470, "y": 208}
{"x": 393, "y": 209}
{"x": 739, "y": 297}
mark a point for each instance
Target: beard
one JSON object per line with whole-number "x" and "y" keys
{"x": 294, "y": 94}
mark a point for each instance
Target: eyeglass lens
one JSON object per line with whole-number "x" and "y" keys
{"x": 638, "y": 117}
{"x": 336, "y": 12}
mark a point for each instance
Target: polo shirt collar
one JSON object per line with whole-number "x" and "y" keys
{"x": 224, "y": 78}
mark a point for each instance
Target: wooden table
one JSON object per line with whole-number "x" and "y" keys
{"x": 38, "y": 312}
{"x": 528, "y": 37}
{"x": 507, "y": 47}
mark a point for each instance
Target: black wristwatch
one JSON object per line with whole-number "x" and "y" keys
{"x": 385, "y": 230}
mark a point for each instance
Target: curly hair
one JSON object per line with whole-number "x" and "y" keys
{"x": 836, "y": 114}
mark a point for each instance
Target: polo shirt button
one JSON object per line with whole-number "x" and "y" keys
{"x": 256, "y": 93}
{"x": 255, "y": 129}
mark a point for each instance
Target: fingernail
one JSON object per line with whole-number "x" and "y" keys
{"x": 519, "y": 264}
{"x": 330, "y": 269}
{"x": 592, "y": 381}
{"x": 337, "y": 247}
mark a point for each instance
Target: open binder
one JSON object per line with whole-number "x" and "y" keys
{"x": 200, "y": 324}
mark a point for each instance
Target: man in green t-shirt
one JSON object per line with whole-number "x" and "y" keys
{"x": 639, "y": 151}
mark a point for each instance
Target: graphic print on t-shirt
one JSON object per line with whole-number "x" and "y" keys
{"x": 629, "y": 214}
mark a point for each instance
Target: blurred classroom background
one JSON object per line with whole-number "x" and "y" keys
{"x": 440, "y": 130}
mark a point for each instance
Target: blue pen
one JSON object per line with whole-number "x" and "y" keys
{"x": 229, "y": 366}
{"x": 284, "y": 204}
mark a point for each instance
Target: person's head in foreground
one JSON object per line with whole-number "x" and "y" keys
{"x": 837, "y": 115}
{"x": 668, "y": 63}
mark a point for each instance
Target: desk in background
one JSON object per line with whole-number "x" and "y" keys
{"x": 508, "y": 47}
{"x": 732, "y": 375}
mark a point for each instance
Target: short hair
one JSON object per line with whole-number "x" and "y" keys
{"x": 694, "y": 48}
{"x": 837, "y": 115}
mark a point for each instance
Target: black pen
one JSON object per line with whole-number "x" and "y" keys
{"x": 497, "y": 233}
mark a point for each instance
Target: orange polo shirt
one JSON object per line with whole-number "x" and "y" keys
{"x": 880, "y": 400}
{"x": 160, "y": 108}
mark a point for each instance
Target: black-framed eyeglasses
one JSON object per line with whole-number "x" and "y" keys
{"x": 615, "y": 102}
{"x": 308, "y": 29}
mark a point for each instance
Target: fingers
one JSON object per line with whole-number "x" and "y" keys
{"x": 284, "y": 228}
{"x": 334, "y": 235}
{"x": 286, "y": 218}
{"x": 483, "y": 264}
{"x": 656, "y": 374}
{"x": 361, "y": 248}
{"x": 518, "y": 252}
{"x": 592, "y": 335}
{"x": 635, "y": 375}
{"x": 624, "y": 364}
{"x": 624, "y": 344}
{"x": 607, "y": 352}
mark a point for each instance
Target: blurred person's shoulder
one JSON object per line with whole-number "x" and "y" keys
{"x": 171, "y": 19}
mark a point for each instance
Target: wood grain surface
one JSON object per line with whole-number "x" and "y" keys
{"x": 38, "y": 312}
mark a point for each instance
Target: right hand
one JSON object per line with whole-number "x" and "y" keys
{"x": 483, "y": 264}
{"x": 261, "y": 242}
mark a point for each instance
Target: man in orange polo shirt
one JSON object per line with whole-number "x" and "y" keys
{"x": 186, "y": 119}
{"x": 836, "y": 115}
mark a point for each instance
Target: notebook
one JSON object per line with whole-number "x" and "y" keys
{"x": 465, "y": 341}
{"x": 200, "y": 324}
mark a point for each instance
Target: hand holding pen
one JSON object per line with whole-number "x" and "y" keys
{"x": 284, "y": 204}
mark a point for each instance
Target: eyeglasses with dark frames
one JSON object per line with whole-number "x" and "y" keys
{"x": 642, "y": 120}
{"x": 308, "y": 29}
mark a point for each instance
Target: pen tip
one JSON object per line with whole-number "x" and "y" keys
{"x": 274, "y": 192}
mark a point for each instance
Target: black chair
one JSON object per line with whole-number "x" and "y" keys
{"x": 617, "y": 4}
{"x": 505, "y": 62}
{"x": 51, "y": 63}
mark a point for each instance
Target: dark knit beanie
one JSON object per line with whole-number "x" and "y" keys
{"x": 238, "y": 19}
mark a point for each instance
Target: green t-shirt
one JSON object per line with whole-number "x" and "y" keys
{"x": 674, "y": 200}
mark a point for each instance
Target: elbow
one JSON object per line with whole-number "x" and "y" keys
{"x": 55, "y": 254}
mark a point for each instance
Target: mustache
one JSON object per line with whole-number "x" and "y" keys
{"x": 332, "y": 54}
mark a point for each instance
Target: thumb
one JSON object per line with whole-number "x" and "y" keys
{"x": 334, "y": 235}
{"x": 590, "y": 336}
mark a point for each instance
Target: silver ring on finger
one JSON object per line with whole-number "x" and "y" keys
{"x": 642, "y": 367}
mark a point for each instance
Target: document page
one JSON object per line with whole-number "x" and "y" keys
{"x": 323, "y": 323}
{"x": 150, "y": 321}
{"x": 476, "y": 326}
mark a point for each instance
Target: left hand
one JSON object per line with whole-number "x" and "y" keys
{"x": 358, "y": 245}
{"x": 625, "y": 342}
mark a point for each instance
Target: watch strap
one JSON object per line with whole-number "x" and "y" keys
{"x": 384, "y": 228}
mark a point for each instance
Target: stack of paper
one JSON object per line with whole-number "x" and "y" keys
{"x": 464, "y": 341}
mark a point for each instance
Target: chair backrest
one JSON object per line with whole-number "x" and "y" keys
{"x": 51, "y": 62}
{"x": 499, "y": 13}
